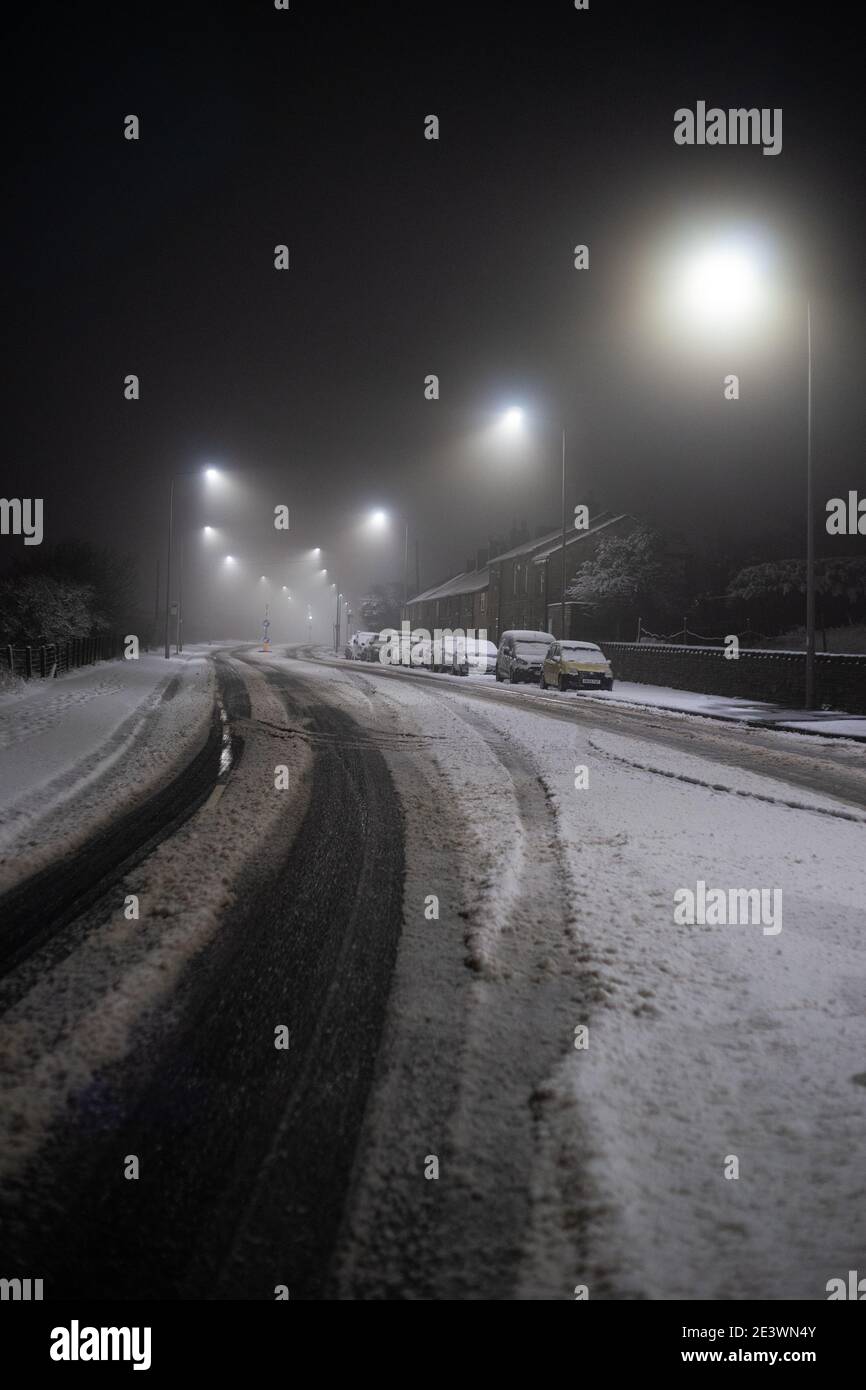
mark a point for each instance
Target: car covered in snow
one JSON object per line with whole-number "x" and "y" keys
{"x": 576, "y": 666}
{"x": 357, "y": 642}
{"x": 457, "y": 653}
{"x": 521, "y": 655}
{"x": 373, "y": 646}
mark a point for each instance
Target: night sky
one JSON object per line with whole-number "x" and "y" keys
{"x": 411, "y": 257}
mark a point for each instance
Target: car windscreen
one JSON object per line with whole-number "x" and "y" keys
{"x": 532, "y": 649}
{"x": 573, "y": 652}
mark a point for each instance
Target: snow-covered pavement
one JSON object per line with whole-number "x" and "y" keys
{"x": 829, "y": 723}
{"x": 76, "y": 751}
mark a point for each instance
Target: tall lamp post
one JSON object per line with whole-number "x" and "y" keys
{"x": 176, "y": 478}
{"x": 721, "y": 282}
{"x": 379, "y": 519}
{"x": 338, "y": 623}
{"x": 810, "y": 525}
{"x": 513, "y": 420}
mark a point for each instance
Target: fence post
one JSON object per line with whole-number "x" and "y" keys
{"x": 638, "y": 629}
{"x": 28, "y": 662}
{"x": 11, "y": 655}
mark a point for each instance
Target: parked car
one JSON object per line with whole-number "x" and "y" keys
{"x": 459, "y": 654}
{"x": 370, "y": 649}
{"x": 357, "y": 643}
{"x": 521, "y": 655}
{"x": 577, "y": 666}
{"x": 478, "y": 655}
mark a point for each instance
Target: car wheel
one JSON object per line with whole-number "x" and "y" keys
{"x": 496, "y": 673}
{"x": 512, "y": 676}
{"x": 542, "y": 682}
{"x": 562, "y": 683}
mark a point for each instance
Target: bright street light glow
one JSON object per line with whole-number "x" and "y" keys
{"x": 513, "y": 418}
{"x": 719, "y": 284}
{"x": 379, "y": 518}
{"x": 208, "y": 530}
{"x": 317, "y": 550}
{"x": 263, "y": 579}
{"x": 211, "y": 474}
{"x": 230, "y": 559}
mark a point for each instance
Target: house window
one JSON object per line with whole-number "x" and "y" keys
{"x": 515, "y": 579}
{"x": 540, "y": 582}
{"x": 484, "y": 604}
{"x": 526, "y": 580}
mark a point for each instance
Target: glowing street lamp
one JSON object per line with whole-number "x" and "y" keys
{"x": 379, "y": 520}
{"x": 210, "y": 474}
{"x": 512, "y": 421}
{"x": 721, "y": 285}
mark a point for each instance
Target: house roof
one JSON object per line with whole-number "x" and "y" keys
{"x": 553, "y": 539}
{"x": 469, "y": 582}
{"x": 549, "y": 549}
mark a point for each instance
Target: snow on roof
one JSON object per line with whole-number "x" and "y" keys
{"x": 527, "y": 635}
{"x": 577, "y": 536}
{"x": 553, "y": 539}
{"x": 469, "y": 582}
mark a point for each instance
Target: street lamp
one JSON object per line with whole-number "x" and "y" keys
{"x": 212, "y": 474}
{"x": 512, "y": 421}
{"x": 338, "y": 622}
{"x": 379, "y": 519}
{"x": 721, "y": 283}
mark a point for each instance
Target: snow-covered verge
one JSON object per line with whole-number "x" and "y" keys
{"x": 830, "y": 722}
{"x": 77, "y": 751}
{"x": 713, "y": 1050}
{"x": 67, "y": 1015}
{"x": 833, "y": 723}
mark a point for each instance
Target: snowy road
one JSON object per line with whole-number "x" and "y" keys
{"x": 434, "y": 905}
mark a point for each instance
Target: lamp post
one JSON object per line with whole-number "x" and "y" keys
{"x": 379, "y": 519}
{"x": 810, "y": 525}
{"x": 513, "y": 420}
{"x": 338, "y": 624}
{"x": 176, "y": 478}
{"x": 562, "y": 632}
{"x": 178, "y": 645}
{"x": 722, "y": 281}
{"x": 168, "y": 565}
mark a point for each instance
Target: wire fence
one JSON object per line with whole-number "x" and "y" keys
{"x": 55, "y": 658}
{"x": 687, "y": 636}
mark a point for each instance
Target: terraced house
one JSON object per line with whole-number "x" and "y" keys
{"x": 519, "y": 588}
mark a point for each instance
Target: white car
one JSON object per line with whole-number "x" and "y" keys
{"x": 357, "y": 643}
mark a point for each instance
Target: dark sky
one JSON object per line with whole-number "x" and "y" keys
{"x": 410, "y": 257}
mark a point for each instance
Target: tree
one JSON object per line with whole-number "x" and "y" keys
{"x": 777, "y": 588}
{"x": 110, "y": 577}
{"x": 39, "y": 608}
{"x": 381, "y": 607}
{"x": 630, "y": 576}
